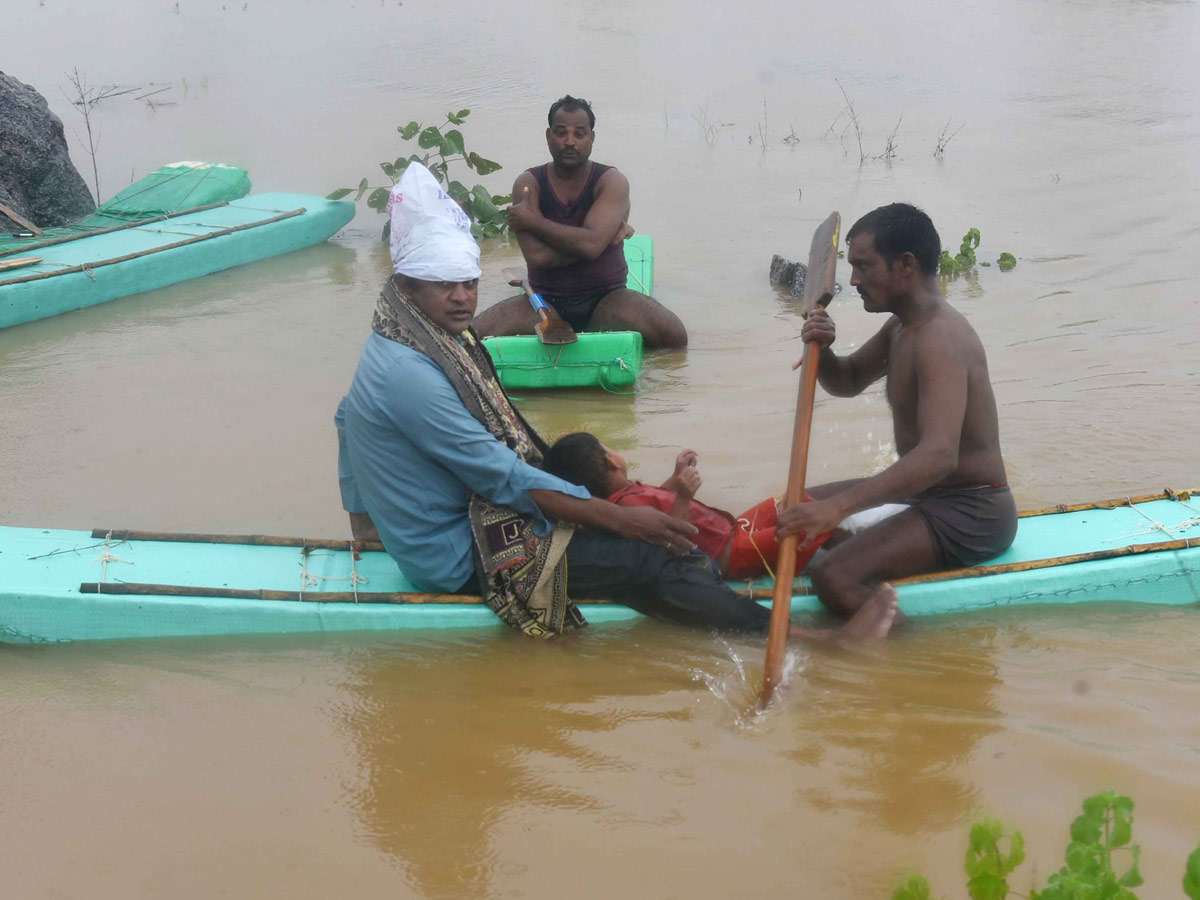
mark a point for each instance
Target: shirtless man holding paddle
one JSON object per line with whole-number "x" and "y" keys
{"x": 950, "y": 474}
{"x": 570, "y": 217}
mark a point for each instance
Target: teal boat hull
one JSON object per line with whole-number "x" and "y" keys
{"x": 102, "y": 267}
{"x": 1149, "y": 552}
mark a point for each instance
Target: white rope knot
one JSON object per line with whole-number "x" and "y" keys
{"x": 106, "y": 557}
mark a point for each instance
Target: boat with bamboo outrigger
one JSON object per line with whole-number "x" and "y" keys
{"x": 106, "y": 584}
{"x": 180, "y": 222}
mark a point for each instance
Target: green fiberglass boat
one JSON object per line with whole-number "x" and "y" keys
{"x": 181, "y": 222}
{"x": 607, "y": 359}
{"x": 105, "y": 584}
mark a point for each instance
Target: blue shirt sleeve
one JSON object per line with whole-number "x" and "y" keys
{"x": 422, "y": 404}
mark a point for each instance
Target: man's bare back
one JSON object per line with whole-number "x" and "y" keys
{"x": 979, "y": 460}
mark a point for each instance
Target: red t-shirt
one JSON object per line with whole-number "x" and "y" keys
{"x": 716, "y": 526}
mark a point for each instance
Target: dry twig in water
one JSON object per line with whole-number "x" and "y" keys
{"x": 944, "y": 138}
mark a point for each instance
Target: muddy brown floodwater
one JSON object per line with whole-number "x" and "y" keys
{"x": 623, "y": 763}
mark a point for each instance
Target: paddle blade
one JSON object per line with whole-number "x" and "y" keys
{"x": 555, "y": 331}
{"x": 820, "y": 283}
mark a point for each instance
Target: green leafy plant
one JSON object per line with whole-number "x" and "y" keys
{"x": 988, "y": 867}
{"x": 1105, "y": 826}
{"x": 487, "y": 211}
{"x": 1191, "y": 876}
{"x": 964, "y": 260}
{"x": 1100, "y": 838}
{"x": 915, "y": 887}
{"x": 951, "y": 265}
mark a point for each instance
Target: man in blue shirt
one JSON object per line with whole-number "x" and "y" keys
{"x": 436, "y": 463}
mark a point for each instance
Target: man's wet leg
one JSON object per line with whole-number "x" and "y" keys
{"x": 850, "y": 575}
{"x": 513, "y": 315}
{"x": 626, "y": 310}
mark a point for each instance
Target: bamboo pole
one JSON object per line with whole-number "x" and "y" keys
{"x": 119, "y": 259}
{"x": 131, "y": 588}
{"x": 64, "y": 239}
{"x": 253, "y": 540}
{"x": 819, "y": 286}
{"x": 403, "y": 598}
{"x": 800, "y": 589}
{"x": 1115, "y": 503}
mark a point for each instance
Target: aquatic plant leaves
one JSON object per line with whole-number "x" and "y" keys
{"x": 430, "y": 137}
{"x": 987, "y": 866}
{"x": 452, "y": 142}
{"x": 914, "y": 888}
{"x": 378, "y": 199}
{"x": 1105, "y": 827}
{"x": 1191, "y": 875}
{"x": 480, "y": 205}
{"x": 481, "y": 165}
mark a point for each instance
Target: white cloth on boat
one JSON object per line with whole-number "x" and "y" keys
{"x": 856, "y": 522}
{"x": 431, "y": 235}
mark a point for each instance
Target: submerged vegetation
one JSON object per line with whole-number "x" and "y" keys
{"x": 488, "y": 218}
{"x": 1101, "y": 860}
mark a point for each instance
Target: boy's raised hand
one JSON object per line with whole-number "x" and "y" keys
{"x": 689, "y": 481}
{"x": 685, "y": 459}
{"x": 684, "y": 462}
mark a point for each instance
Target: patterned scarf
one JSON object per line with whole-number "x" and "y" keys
{"x": 523, "y": 577}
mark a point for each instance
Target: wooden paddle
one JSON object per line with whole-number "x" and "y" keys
{"x": 19, "y": 262}
{"x": 20, "y": 220}
{"x": 551, "y": 329}
{"x": 818, "y": 291}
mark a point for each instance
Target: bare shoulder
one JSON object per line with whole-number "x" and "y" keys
{"x": 612, "y": 180}
{"x": 525, "y": 180}
{"x": 889, "y": 331}
{"x": 951, "y": 332}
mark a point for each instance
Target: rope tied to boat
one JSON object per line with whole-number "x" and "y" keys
{"x": 308, "y": 579}
{"x": 1170, "y": 531}
{"x": 106, "y": 556}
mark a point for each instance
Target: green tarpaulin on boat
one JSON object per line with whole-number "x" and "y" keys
{"x": 178, "y": 186}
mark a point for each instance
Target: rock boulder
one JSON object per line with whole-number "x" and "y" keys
{"x": 37, "y": 178}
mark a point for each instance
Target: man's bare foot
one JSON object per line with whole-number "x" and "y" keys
{"x": 874, "y": 619}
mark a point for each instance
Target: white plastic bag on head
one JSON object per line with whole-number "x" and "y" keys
{"x": 431, "y": 235}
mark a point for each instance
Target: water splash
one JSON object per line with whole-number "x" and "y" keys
{"x": 738, "y": 687}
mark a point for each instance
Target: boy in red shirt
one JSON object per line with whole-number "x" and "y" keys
{"x": 742, "y": 547}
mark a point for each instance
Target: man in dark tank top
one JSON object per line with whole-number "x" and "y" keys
{"x": 570, "y": 217}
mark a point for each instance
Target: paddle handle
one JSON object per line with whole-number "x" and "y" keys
{"x": 540, "y": 306}
{"x": 818, "y": 291}
{"x": 785, "y": 570}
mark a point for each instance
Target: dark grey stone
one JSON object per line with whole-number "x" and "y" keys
{"x": 37, "y": 177}
{"x": 788, "y": 275}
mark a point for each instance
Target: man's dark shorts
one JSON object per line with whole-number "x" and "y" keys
{"x": 968, "y": 525}
{"x": 577, "y": 309}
